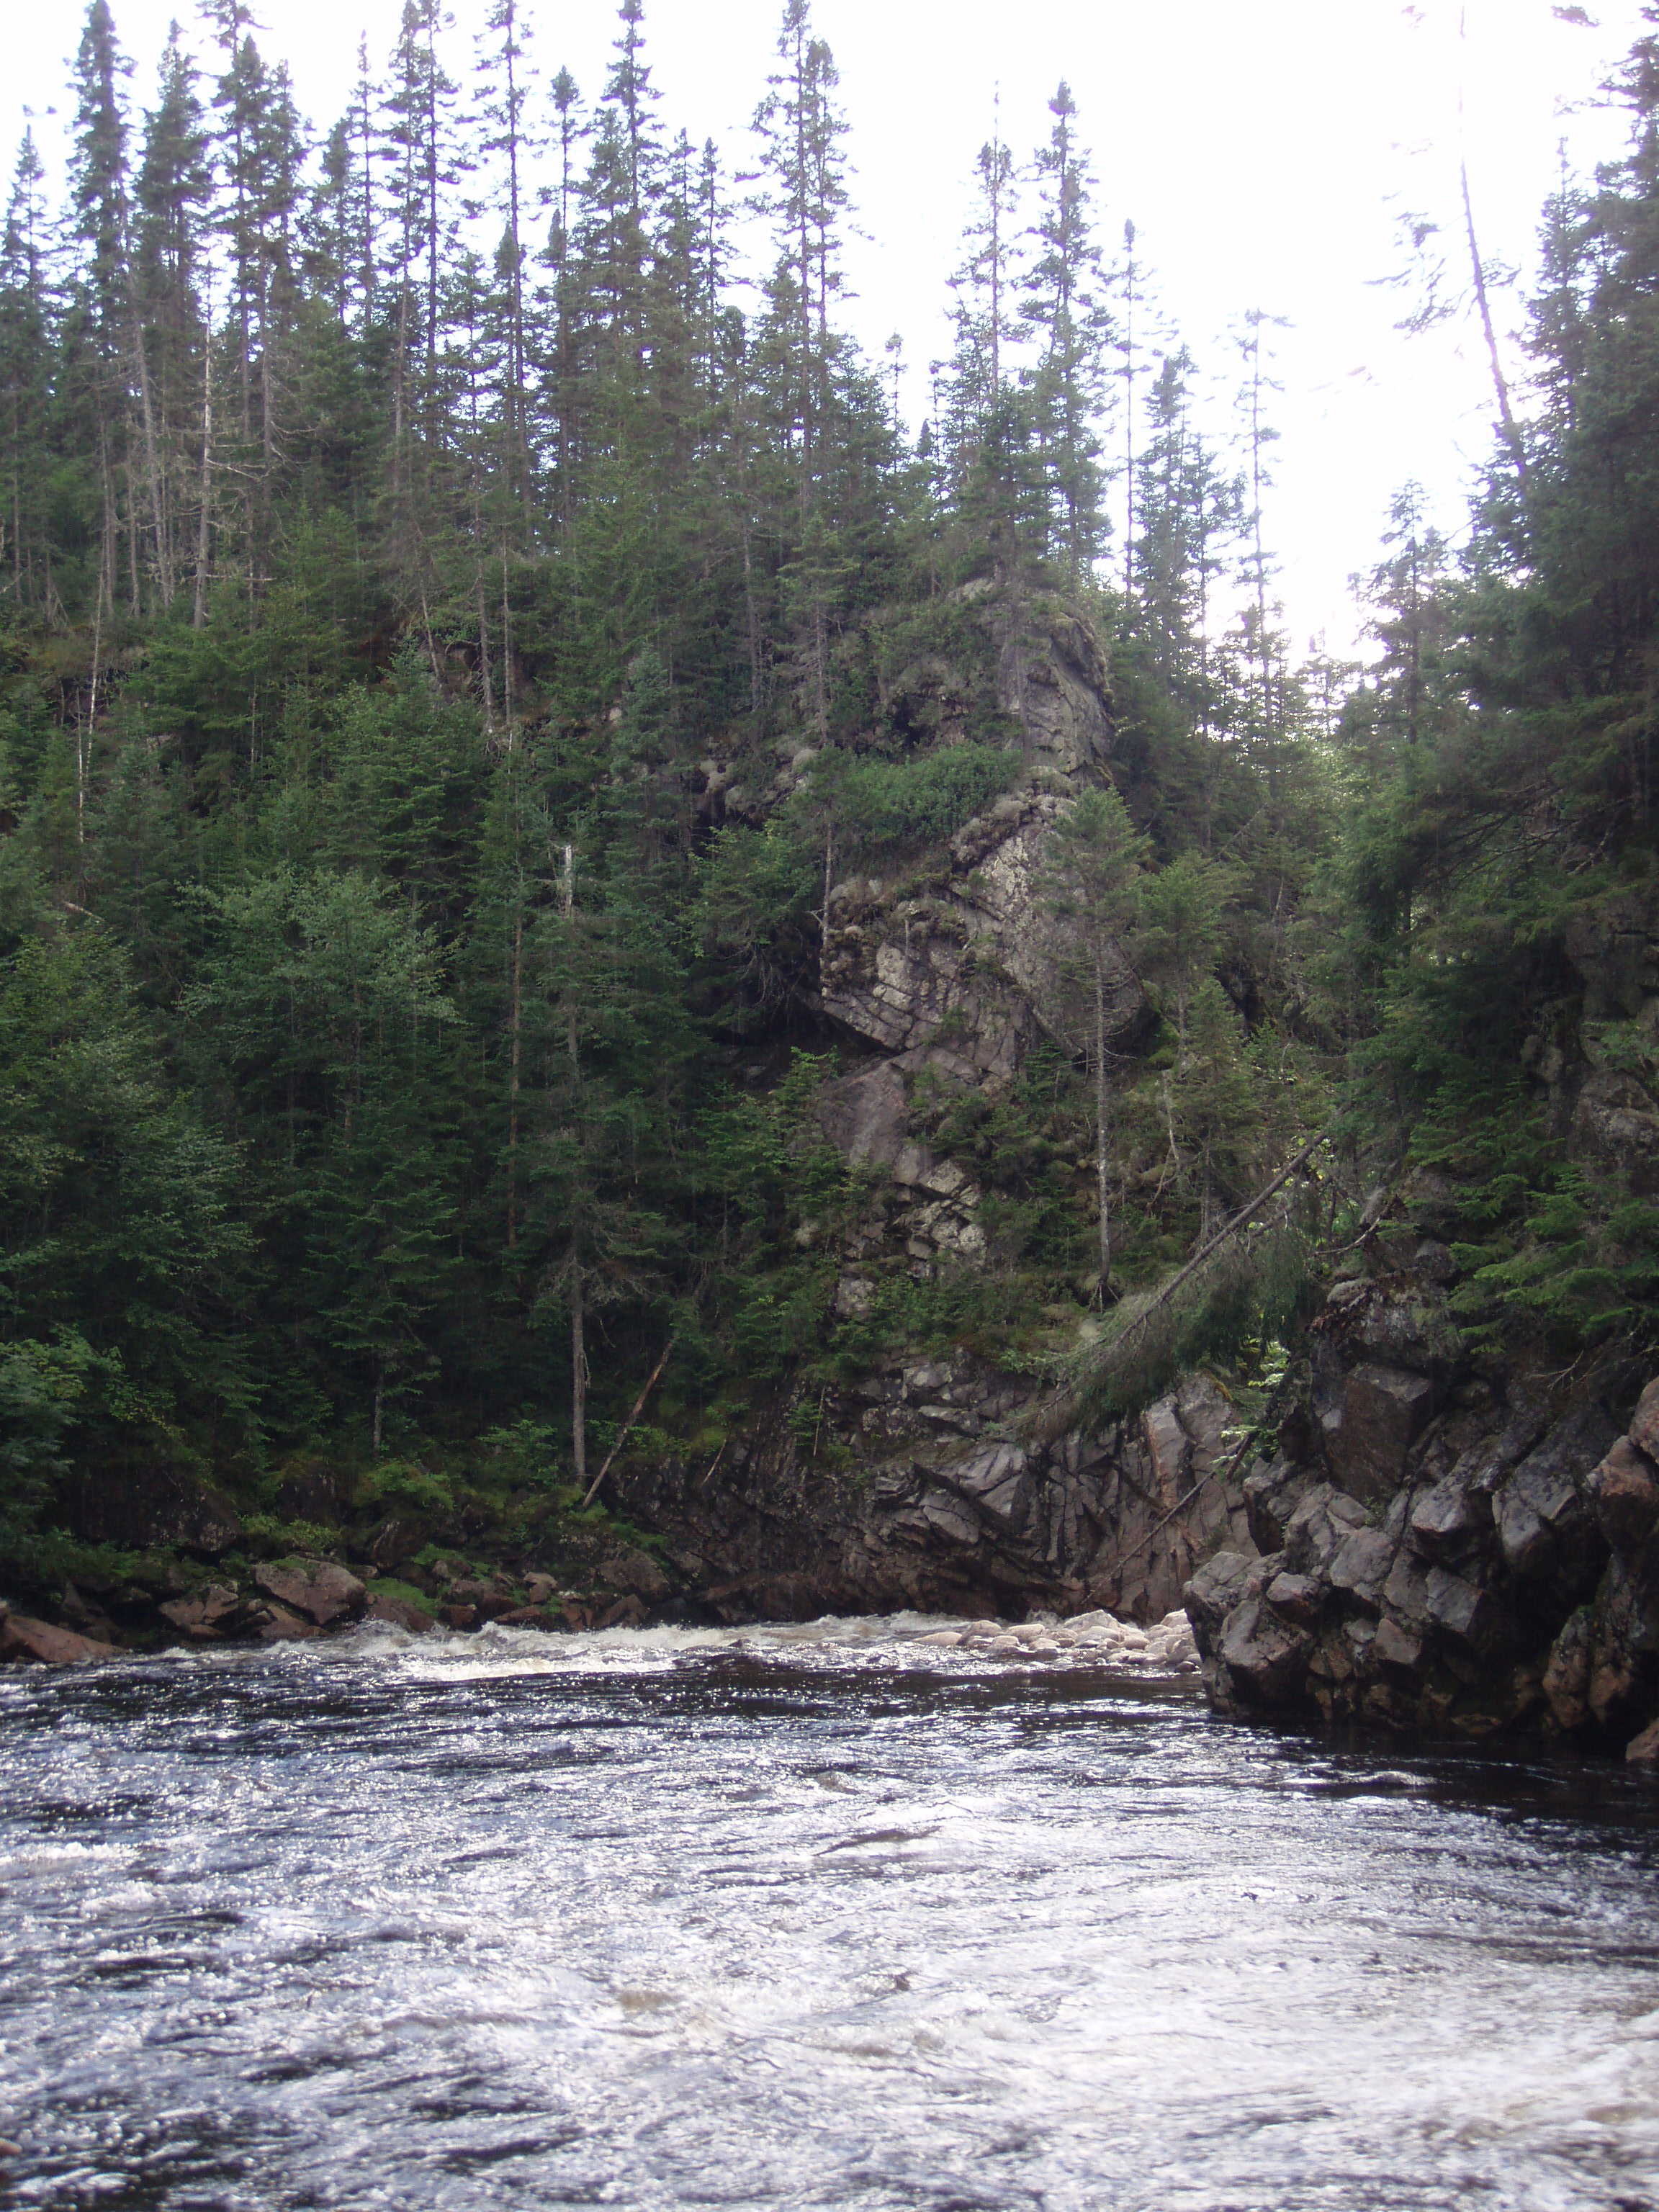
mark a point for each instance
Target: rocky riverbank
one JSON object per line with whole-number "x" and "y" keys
{"x": 325, "y": 1599}
{"x": 1443, "y": 1551}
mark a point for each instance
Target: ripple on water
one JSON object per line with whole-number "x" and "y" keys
{"x": 827, "y": 1915}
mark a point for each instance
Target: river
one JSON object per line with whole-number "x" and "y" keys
{"x": 798, "y": 1919}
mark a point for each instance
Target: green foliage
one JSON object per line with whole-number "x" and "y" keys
{"x": 46, "y": 1390}
{"x": 388, "y": 1586}
{"x": 118, "y": 1226}
{"x": 1259, "y": 1286}
{"x": 405, "y": 1482}
{"x": 880, "y": 806}
{"x": 409, "y": 946}
{"x": 749, "y": 921}
{"x": 1550, "y": 1254}
{"x": 933, "y": 1315}
{"x": 272, "y": 1537}
{"x": 1093, "y": 880}
{"x": 523, "y": 1455}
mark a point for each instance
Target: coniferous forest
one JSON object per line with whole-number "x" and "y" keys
{"x": 474, "y": 627}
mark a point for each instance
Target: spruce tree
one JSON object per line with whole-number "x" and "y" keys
{"x": 1064, "y": 308}
{"x": 26, "y": 396}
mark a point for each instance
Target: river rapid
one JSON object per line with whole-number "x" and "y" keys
{"x": 826, "y": 1917}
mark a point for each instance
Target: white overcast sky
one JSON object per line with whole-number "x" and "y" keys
{"x": 1262, "y": 150}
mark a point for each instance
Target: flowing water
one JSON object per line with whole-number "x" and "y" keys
{"x": 827, "y": 1918}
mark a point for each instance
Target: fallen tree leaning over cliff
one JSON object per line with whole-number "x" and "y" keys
{"x": 1161, "y": 1334}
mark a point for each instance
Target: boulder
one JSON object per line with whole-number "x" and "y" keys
{"x": 1395, "y": 1649}
{"x": 1463, "y": 1611}
{"x": 1624, "y": 1494}
{"x": 1384, "y": 1411}
{"x": 37, "y": 1643}
{"x": 627, "y": 1613}
{"x": 274, "y": 1623}
{"x": 1266, "y": 1658}
{"x": 399, "y": 1612}
{"x": 1296, "y": 1598}
{"x": 1319, "y": 1527}
{"x": 1406, "y": 1593}
{"x": 1215, "y": 1591}
{"x": 1272, "y": 1495}
{"x": 488, "y": 1599}
{"x": 396, "y": 1542}
{"x": 1567, "y": 1672}
{"x": 1447, "y": 1520}
{"x": 1643, "y": 1750}
{"x": 318, "y": 1589}
{"x": 1361, "y": 1566}
{"x": 1644, "y": 1421}
{"x": 635, "y": 1574}
{"x": 205, "y": 1612}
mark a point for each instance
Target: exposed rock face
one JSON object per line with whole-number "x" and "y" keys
{"x": 955, "y": 1494}
{"x": 949, "y": 969}
{"x": 958, "y": 1504}
{"x": 399, "y": 1612}
{"x": 960, "y": 975}
{"x": 1443, "y": 1558}
{"x": 634, "y": 1574}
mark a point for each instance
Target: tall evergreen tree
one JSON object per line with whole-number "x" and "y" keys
{"x": 1063, "y": 306}
{"x": 26, "y": 396}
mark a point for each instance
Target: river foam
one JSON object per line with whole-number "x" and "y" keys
{"x": 937, "y": 1642}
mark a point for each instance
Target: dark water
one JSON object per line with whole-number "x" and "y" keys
{"x": 661, "y": 1922}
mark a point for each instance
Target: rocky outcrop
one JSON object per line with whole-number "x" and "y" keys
{"x": 937, "y": 976}
{"x": 1446, "y": 1552}
{"x": 948, "y": 969}
{"x": 958, "y": 972}
{"x": 954, "y": 1500}
{"x": 923, "y": 1207}
{"x": 1458, "y": 1542}
{"x": 205, "y": 1614}
{"x": 941, "y": 1485}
